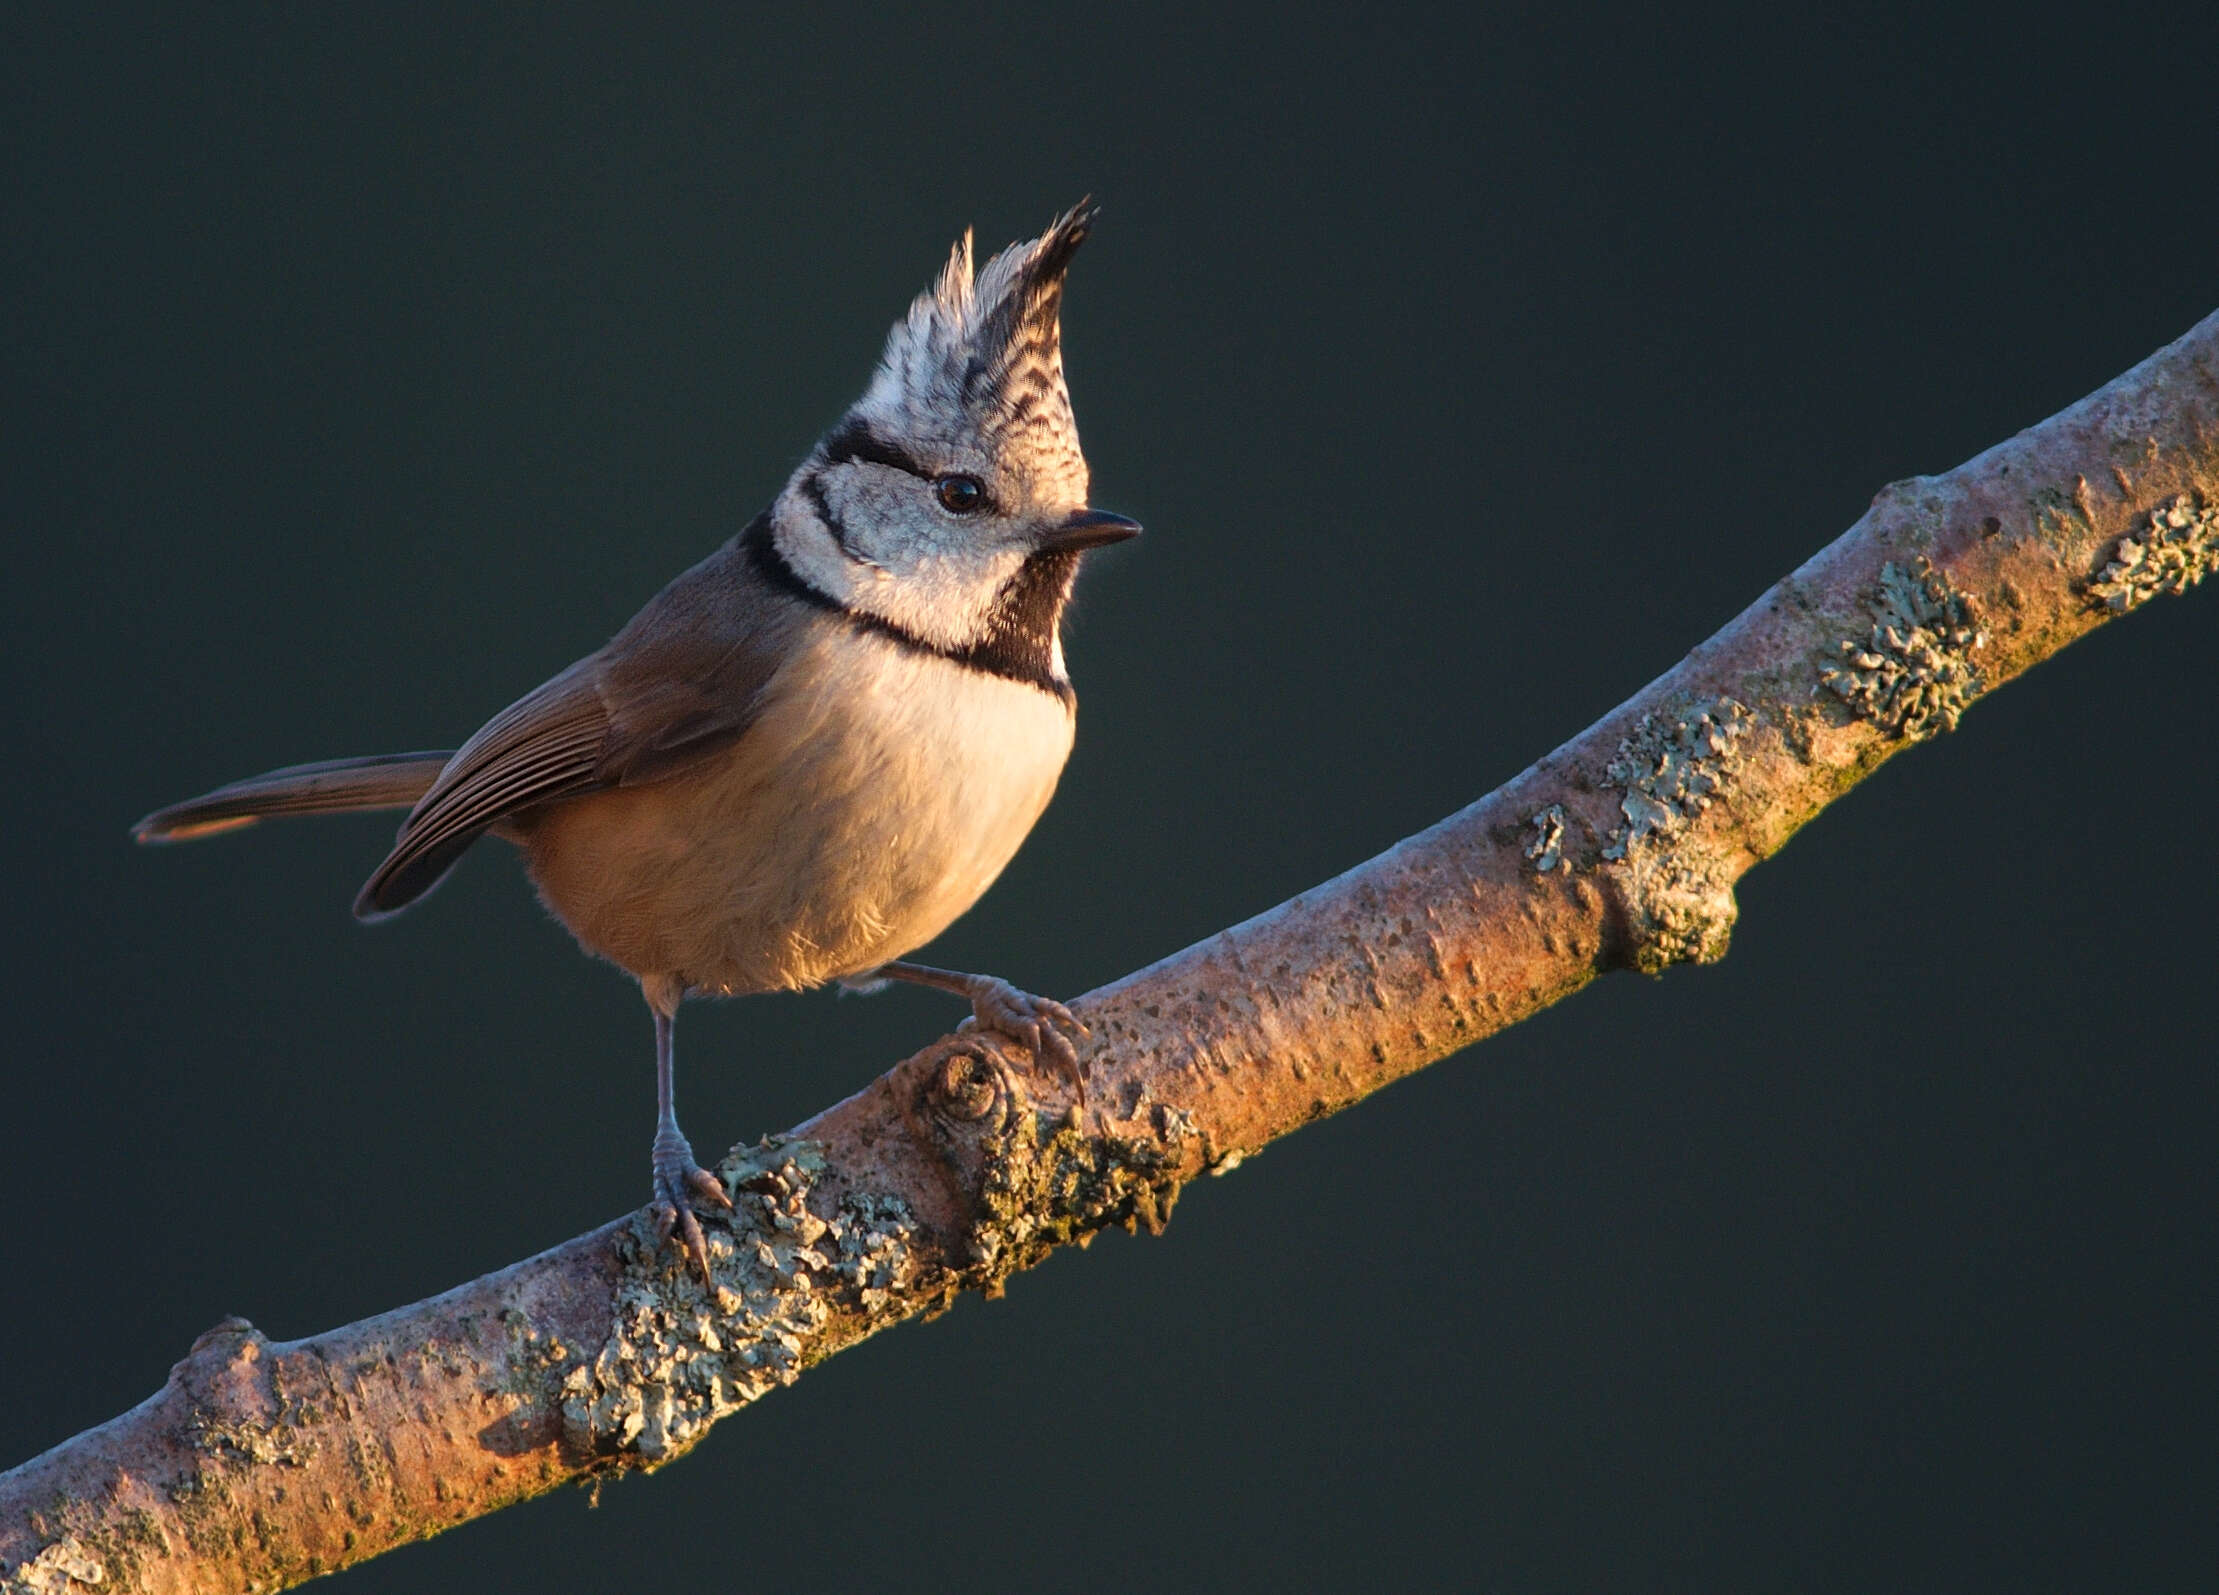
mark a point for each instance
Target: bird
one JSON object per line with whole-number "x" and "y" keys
{"x": 812, "y": 751}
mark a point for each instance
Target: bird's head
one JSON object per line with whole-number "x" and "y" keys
{"x": 955, "y": 486}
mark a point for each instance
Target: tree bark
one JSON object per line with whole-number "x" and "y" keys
{"x": 259, "y": 1464}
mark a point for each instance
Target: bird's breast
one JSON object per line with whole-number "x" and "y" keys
{"x": 877, "y": 794}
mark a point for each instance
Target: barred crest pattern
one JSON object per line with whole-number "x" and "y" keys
{"x": 986, "y": 346}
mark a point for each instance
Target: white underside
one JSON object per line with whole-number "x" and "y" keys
{"x": 878, "y": 795}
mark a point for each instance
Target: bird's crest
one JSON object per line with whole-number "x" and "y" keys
{"x": 983, "y": 348}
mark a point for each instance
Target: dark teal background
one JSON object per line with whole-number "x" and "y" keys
{"x": 364, "y": 367}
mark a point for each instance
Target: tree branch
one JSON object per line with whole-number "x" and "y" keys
{"x": 261, "y": 1464}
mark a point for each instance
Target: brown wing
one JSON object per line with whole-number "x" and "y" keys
{"x": 545, "y": 745}
{"x": 684, "y": 679}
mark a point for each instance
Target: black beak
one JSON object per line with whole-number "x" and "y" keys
{"x": 1088, "y": 529}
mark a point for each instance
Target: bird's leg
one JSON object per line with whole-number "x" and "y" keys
{"x": 1041, "y": 1023}
{"x": 679, "y": 1180}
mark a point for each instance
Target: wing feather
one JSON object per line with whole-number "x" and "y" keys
{"x": 682, "y": 681}
{"x": 541, "y": 747}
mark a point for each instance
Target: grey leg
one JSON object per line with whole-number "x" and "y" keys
{"x": 679, "y": 1181}
{"x": 1044, "y": 1025}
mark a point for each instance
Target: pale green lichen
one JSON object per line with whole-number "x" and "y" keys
{"x": 1546, "y": 850}
{"x": 1671, "y": 768}
{"x": 66, "y": 1565}
{"x": 796, "y": 1276}
{"x": 681, "y": 1355}
{"x": 1040, "y": 1193}
{"x": 241, "y": 1440}
{"x": 1678, "y": 896}
{"x": 1913, "y": 675}
{"x": 1687, "y": 909}
{"x": 1173, "y": 1123}
{"x": 2178, "y": 549}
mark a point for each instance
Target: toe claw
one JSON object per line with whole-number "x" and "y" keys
{"x": 709, "y": 1188}
{"x": 679, "y": 1183}
{"x": 1067, "y": 1058}
{"x": 1041, "y": 1025}
{"x": 696, "y": 1245}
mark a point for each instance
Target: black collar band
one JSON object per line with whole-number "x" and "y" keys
{"x": 1019, "y": 645}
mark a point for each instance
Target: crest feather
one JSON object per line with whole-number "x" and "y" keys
{"x": 954, "y": 291}
{"x": 989, "y": 335}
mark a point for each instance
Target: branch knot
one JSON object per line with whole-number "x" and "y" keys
{"x": 1676, "y": 896}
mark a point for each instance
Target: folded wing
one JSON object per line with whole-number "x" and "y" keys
{"x": 683, "y": 680}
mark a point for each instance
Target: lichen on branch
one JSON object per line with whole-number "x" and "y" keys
{"x": 260, "y": 1464}
{"x": 2178, "y": 549}
{"x": 1914, "y": 672}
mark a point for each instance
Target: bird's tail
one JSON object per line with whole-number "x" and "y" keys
{"x": 337, "y": 786}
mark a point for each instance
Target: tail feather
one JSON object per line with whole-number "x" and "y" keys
{"x": 337, "y": 786}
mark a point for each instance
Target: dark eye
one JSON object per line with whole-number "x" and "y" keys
{"x": 960, "y": 495}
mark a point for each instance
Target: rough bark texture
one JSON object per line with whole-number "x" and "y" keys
{"x": 258, "y": 1465}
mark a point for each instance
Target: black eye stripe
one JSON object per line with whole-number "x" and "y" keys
{"x": 852, "y": 442}
{"x": 814, "y": 489}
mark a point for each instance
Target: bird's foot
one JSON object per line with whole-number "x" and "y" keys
{"x": 679, "y": 1183}
{"x": 1045, "y": 1027}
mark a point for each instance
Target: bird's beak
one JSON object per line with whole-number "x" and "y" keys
{"x": 1087, "y": 529}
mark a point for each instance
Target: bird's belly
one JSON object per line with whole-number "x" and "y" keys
{"x": 878, "y": 795}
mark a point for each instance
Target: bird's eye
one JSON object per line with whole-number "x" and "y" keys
{"x": 960, "y": 495}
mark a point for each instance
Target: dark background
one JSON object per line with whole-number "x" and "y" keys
{"x": 1466, "y": 371}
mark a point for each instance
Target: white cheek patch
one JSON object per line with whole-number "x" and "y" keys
{"x": 883, "y": 513}
{"x": 946, "y": 600}
{"x": 868, "y": 538}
